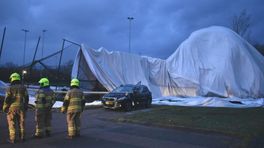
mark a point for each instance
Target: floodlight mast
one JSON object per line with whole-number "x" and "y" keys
{"x": 43, "y": 37}
{"x": 25, "y": 43}
{"x": 129, "y": 34}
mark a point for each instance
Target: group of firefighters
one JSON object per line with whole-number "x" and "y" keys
{"x": 16, "y": 105}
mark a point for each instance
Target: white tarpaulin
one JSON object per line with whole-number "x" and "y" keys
{"x": 2, "y": 88}
{"x": 174, "y": 101}
{"x": 210, "y": 102}
{"x": 214, "y": 61}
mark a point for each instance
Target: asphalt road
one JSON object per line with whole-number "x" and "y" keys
{"x": 98, "y": 130}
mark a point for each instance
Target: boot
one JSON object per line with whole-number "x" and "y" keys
{"x": 70, "y": 137}
{"x": 37, "y": 136}
{"x": 78, "y": 135}
{"x": 48, "y": 133}
{"x": 22, "y": 138}
{"x": 11, "y": 141}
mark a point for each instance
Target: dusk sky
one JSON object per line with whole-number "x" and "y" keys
{"x": 159, "y": 26}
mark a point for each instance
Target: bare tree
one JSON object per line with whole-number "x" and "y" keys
{"x": 241, "y": 23}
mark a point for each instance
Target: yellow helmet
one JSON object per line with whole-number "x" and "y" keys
{"x": 14, "y": 76}
{"x": 44, "y": 82}
{"x": 75, "y": 82}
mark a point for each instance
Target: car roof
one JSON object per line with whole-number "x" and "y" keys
{"x": 131, "y": 85}
{"x": 128, "y": 85}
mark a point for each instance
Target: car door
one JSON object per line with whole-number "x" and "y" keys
{"x": 142, "y": 94}
{"x": 145, "y": 94}
{"x": 136, "y": 95}
{"x": 147, "y": 97}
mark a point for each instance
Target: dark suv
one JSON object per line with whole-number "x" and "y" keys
{"x": 127, "y": 97}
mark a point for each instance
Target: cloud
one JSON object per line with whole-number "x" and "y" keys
{"x": 157, "y": 30}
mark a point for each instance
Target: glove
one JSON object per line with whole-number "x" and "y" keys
{"x": 66, "y": 103}
{"x": 63, "y": 110}
{"x": 83, "y": 105}
{"x": 43, "y": 100}
{"x": 25, "y": 107}
{"x": 5, "y": 109}
{"x": 9, "y": 100}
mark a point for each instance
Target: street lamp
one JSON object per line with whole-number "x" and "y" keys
{"x": 43, "y": 33}
{"x": 24, "y": 72}
{"x": 129, "y": 34}
{"x": 25, "y": 42}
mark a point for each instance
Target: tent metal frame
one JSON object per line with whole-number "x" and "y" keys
{"x": 2, "y": 42}
{"x": 40, "y": 61}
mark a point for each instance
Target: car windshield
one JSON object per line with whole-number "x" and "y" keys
{"x": 123, "y": 89}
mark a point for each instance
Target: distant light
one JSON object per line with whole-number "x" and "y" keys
{"x": 24, "y": 72}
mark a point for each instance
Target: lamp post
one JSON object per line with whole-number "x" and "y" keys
{"x": 129, "y": 34}
{"x": 24, "y": 72}
{"x": 43, "y": 33}
{"x": 25, "y": 42}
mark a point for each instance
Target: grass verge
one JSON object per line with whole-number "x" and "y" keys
{"x": 246, "y": 124}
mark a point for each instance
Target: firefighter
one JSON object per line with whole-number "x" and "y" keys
{"x": 45, "y": 98}
{"x": 15, "y": 105}
{"x": 73, "y": 105}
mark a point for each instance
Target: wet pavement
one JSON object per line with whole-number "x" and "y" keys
{"x": 99, "y": 130}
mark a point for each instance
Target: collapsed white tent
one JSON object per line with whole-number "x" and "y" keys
{"x": 212, "y": 61}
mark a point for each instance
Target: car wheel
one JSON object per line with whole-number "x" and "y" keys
{"x": 128, "y": 106}
{"x": 148, "y": 103}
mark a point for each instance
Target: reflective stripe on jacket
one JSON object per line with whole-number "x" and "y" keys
{"x": 45, "y": 98}
{"x": 16, "y": 98}
{"x": 75, "y": 98}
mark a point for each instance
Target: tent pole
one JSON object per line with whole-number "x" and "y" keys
{"x": 2, "y": 43}
{"x": 72, "y": 42}
{"x": 60, "y": 63}
{"x": 79, "y": 62}
{"x": 33, "y": 61}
